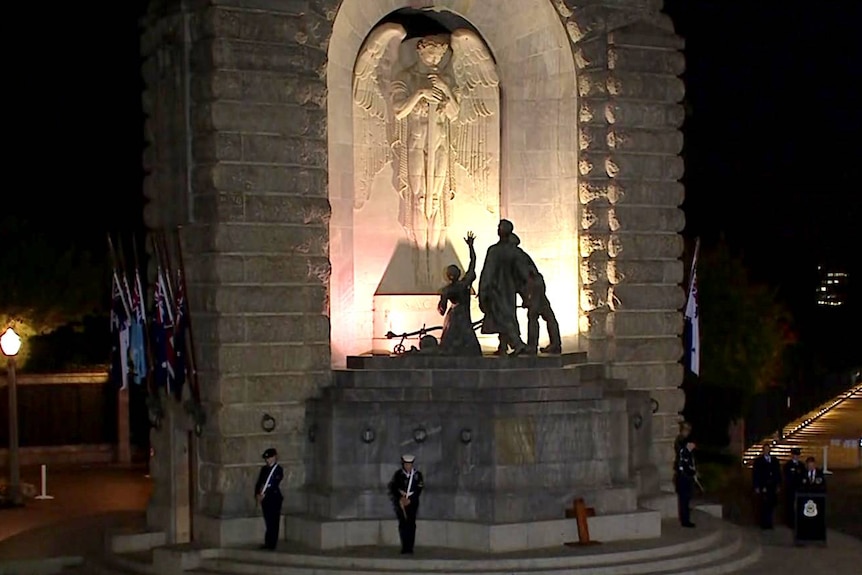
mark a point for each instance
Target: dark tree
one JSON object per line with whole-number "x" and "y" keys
{"x": 745, "y": 337}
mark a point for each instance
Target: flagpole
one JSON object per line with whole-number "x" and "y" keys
{"x": 147, "y": 344}
{"x": 190, "y": 348}
{"x": 124, "y": 374}
{"x": 116, "y": 264}
{"x": 166, "y": 260}
{"x": 691, "y": 274}
{"x": 163, "y": 288}
{"x": 124, "y": 444}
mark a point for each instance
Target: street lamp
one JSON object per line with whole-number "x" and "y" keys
{"x": 10, "y": 343}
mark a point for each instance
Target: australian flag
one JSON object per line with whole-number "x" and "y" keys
{"x": 692, "y": 321}
{"x": 162, "y": 334}
{"x": 120, "y": 335}
{"x": 137, "y": 346}
{"x": 181, "y": 321}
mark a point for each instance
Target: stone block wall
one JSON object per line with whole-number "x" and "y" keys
{"x": 629, "y": 117}
{"x": 235, "y": 104}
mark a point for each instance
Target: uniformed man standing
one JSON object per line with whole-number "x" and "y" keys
{"x": 404, "y": 489}
{"x": 766, "y": 477}
{"x": 685, "y": 476}
{"x": 680, "y": 441}
{"x": 793, "y": 472}
{"x": 812, "y": 480}
{"x": 268, "y": 495}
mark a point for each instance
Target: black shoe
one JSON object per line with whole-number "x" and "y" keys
{"x": 552, "y": 350}
{"x": 689, "y": 524}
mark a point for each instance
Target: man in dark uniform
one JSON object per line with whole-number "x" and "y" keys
{"x": 680, "y": 441}
{"x": 812, "y": 480}
{"x": 766, "y": 477}
{"x": 685, "y": 476}
{"x": 268, "y": 495}
{"x": 793, "y": 471}
{"x": 404, "y": 490}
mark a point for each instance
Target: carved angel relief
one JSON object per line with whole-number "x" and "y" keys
{"x": 424, "y": 106}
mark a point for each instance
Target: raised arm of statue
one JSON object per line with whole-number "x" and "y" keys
{"x": 470, "y": 276}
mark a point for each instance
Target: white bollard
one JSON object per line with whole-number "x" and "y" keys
{"x": 44, "y": 484}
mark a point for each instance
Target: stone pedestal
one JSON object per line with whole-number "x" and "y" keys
{"x": 499, "y": 440}
{"x": 124, "y": 444}
{"x": 170, "y": 507}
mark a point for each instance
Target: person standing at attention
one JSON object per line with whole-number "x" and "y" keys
{"x": 766, "y": 477}
{"x": 680, "y": 441}
{"x": 268, "y": 495}
{"x": 684, "y": 476}
{"x": 793, "y": 472}
{"x": 404, "y": 490}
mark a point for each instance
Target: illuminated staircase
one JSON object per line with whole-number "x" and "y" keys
{"x": 813, "y": 430}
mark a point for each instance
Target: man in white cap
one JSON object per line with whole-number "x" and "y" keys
{"x": 404, "y": 490}
{"x": 268, "y": 495}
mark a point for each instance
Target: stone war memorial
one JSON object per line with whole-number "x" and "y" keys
{"x": 343, "y": 174}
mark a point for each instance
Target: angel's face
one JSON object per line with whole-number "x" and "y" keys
{"x": 431, "y": 51}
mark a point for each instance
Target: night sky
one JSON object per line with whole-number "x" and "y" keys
{"x": 772, "y": 139}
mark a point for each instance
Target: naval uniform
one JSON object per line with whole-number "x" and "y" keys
{"x": 268, "y": 481}
{"x": 684, "y": 478}
{"x": 412, "y": 484}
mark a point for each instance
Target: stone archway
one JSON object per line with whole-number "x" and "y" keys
{"x": 248, "y": 156}
{"x": 538, "y": 141}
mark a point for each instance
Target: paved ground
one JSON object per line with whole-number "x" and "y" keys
{"x": 87, "y": 502}
{"x": 842, "y": 555}
{"x": 91, "y": 500}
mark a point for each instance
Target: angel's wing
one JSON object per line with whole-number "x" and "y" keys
{"x": 476, "y": 75}
{"x": 373, "y": 119}
{"x": 478, "y": 93}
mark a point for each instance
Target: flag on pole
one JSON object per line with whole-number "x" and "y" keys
{"x": 179, "y": 343}
{"x": 162, "y": 328}
{"x": 692, "y": 319}
{"x": 137, "y": 346}
{"x": 120, "y": 333}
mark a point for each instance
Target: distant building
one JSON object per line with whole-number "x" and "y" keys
{"x": 833, "y": 287}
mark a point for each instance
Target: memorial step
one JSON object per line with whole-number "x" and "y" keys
{"x": 722, "y": 552}
{"x": 713, "y": 548}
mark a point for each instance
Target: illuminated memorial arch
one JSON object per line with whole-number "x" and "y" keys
{"x": 518, "y": 160}
{"x": 293, "y": 228}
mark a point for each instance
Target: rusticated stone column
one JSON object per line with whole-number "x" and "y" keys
{"x": 237, "y": 130}
{"x": 630, "y": 117}
{"x": 644, "y": 140}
